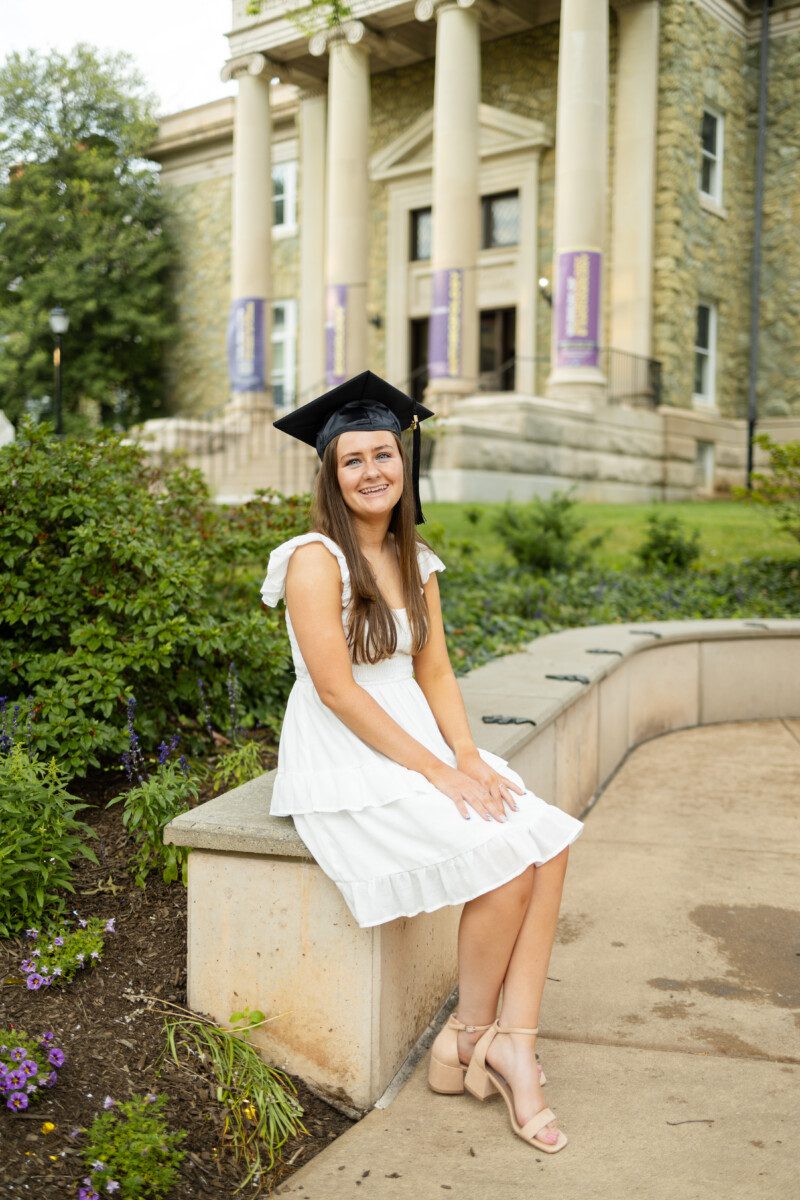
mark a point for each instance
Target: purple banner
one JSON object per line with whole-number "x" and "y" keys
{"x": 336, "y": 335}
{"x": 577, "y": 305}
{"x": 246, "y": 363}
{"x": 444, "y": 346}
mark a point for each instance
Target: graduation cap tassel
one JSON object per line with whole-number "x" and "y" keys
{"x": 419, "y": 519}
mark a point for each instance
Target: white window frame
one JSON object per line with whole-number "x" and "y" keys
{"x": 717, "y": 158}
{"x": 708, "y": 398}
{"x": 287, "y": 336}
{"x": 704, "y": 456}
{"x": 288, "y": 170}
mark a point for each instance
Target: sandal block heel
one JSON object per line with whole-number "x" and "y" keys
{"x": 478, "y": 1082}
{"x": 447, "y": 1080}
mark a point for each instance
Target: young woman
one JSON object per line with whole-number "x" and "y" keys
{"x": 377, "y": 764}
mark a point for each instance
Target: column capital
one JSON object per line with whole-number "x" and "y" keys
{"x": 425, "y": 10}
{"x": 352, "y": 32}
{"x": 246, "y": 64}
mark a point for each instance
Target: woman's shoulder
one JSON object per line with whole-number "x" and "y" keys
{"x": 428, "y": 561}
{"x": 273, "y": 588}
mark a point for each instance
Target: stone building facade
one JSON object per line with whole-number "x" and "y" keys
{"x": 538, "y": 214}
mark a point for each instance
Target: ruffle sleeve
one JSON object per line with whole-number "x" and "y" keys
{"x": 273, "y": 588}
{"x": 428, "y": 562}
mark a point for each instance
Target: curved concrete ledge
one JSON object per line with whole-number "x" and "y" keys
{"x": 267, "y": 928}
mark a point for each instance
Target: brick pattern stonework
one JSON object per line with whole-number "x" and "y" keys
{"x": 700, "y": 254}
{"x": 197, "y": 373}
{"x": 779, "y": 351}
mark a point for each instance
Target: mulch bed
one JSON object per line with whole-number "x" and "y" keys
{"x": 113, "y": 1041}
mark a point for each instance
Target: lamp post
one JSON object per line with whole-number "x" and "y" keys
{"x": 59, "y": 323}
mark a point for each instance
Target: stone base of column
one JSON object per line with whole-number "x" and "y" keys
{"x": 586, "y": 386}
{"x": 250, "y": 402}
{"x": 442, "y": 394}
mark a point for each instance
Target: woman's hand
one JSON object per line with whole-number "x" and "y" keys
{"x": 486, "y": 796}
{"x": 498, "y": 786}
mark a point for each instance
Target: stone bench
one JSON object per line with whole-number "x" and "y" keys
{"x": 268, "y": 929}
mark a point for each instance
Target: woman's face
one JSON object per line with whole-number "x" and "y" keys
{"x": 369, "y": 469}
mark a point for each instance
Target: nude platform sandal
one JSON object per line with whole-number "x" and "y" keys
{"x": 482, "y": 1081}
{"x": 446, "y": 1071}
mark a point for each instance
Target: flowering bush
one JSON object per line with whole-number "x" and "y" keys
{"x": 26, "y": 1066}
{"x": 130, "y": 1153}
{"x": 40, "y": 837}
{"x": 152, "y": 803}
{"x": 58, "y": 957}
{"x": 115, "y": 572}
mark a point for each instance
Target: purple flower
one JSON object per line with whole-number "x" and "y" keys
{"x": 98, "y": 1165}
{"x": 87, "y": 1193}
{"x": 29, "y": 1067}
{"x": 109, "y": 926}
{"x": 18, "y": 1053}
{"x": 79, "y": 958}
{"x": 55, "y": 1057}
{"x": 32, "y": 933}
{"x": 112, "y": 1186}
{"x": 28, "y": 964}
{"x": 108, "y": 1102}
{"x": 46, "y": 1038}
{"x": 58, "y": 941}
{"x": 94, "y": 954}
{"x": 150, "y": 1098}
{"x": 57, "y": 971}
{"x": 15, "y": 1079}
{"x": 35, "y": 982}
{"x": 50, "y": 1080}
{"x": 36, "y": 953}
{"x": 17, "y": 1101}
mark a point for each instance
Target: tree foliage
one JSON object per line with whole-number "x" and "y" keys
{"x": 82, "y": 225}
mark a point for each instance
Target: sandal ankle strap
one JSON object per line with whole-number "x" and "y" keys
{"x": 461, "y": 1027}
{"x": 514, "y": 1029}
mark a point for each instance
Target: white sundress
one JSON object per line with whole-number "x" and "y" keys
{"x": 392, "y": 843}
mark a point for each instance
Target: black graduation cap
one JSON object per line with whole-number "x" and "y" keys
{"x": 364, "y": 402}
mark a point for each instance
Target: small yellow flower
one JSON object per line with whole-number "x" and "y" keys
{"x": 48, "y": 1127}
{"x": 250, "y": 1113}
{"x": 53, "y": 1157}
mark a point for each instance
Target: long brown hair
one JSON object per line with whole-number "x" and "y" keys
{"x": 372, "y": 632}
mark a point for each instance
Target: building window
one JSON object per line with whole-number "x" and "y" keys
{"x": 711, "y": 155}
{"x": 421, "y": 229}
{"x": 500, "y": 220}
{"x": 284, "y": 197}
{"x": 284, "y": 347}
{"x": 705, "y": 353}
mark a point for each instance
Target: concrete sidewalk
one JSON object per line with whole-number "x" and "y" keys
{"x": 671, "y": 1019}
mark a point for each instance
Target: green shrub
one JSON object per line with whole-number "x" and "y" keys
{"x": 779, "y": 490}
{"x": 40, "y": 836}
{"x": 118, "y": 576}
{"x": 668, "y": 544}
{"x": 541, "y": 534}
{"x": 136, "y": 1149}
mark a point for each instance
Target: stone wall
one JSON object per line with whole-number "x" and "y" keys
{"x": 197, "y": 372}
{"x": 779, "y": 349}
{"x": 700, "y": 253}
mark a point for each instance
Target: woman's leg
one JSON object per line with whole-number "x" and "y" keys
{"x": 486, "y": 935}
{"x": 510, "y": 1053}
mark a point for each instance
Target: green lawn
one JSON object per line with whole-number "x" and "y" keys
{"x": 729, "y": 530}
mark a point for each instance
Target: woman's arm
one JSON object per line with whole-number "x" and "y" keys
{"x": 314, "y": 601}
{"x": 434, "y": 674}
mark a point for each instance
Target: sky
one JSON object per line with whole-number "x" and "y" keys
{"x": 179, "y": 45}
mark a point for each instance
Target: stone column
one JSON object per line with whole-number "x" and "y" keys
{"x": 312, "y": 244}
{"x": 634, "y": 178}
{"x": 249, "y": 321}
{"x": 580, "y": 201}
{"x": 347, "y": 222}
{"x": 453, "y": 336}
